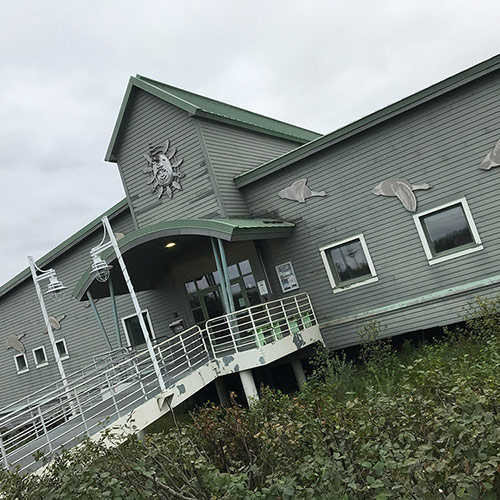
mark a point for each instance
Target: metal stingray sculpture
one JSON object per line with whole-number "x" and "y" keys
{"x": 298, "y": 191}
{"x": 492, "y": 159}
{"x": 13, "y": 341}
{"x": 401, "y": 189}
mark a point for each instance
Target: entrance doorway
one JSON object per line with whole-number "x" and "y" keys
{"x": 205, "y": 293}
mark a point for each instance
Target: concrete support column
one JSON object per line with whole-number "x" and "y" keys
{"x": 249, "y": 386}
{"x": 221, "y": 392}
{"x": 298, "y": 370}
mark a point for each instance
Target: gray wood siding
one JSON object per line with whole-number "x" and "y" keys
{"x": 232, "y": 151}
{"x": 441, "y": 143}
{"x": 152, "y": 121}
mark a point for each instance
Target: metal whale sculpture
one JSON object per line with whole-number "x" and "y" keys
{"x": 14, "y": 342}
{"x": 492, "y": 159}
{"x": 402, "y": 189}
{"x": 298, "y": 191}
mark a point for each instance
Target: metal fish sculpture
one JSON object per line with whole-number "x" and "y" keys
{"x": 14, "y": 341}
{"x": 55, "y": 323}
{"x": 402, "y": 189}
{"x": 492, "y": 159}
{"x": 298, "y": 191}
{"x": 86, "y": 303}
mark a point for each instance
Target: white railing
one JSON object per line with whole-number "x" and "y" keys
{"x": 120, "y": 381}
{"x": 259, "y": 325}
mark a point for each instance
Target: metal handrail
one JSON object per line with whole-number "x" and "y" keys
{"x": 115, "y": 385}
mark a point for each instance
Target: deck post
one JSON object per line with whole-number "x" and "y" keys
{"x": 221, "y": 392}
{"x": 298, "y": 371}
{"x": 249, "y": 386}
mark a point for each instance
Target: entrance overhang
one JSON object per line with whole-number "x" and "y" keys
{"x": 146, "y": 257}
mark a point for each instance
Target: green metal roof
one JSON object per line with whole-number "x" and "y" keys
{"x": 205, "y": 107}
{"x": 64, "y": 246}
{"x": 226, "y": 229}
{"x": 369, "y": 121}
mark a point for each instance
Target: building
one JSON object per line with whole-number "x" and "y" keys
{"x": 392, "y": 217}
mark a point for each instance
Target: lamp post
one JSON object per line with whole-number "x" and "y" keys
{"x": 56, "y": 289}
{"x": 101, "y": 272}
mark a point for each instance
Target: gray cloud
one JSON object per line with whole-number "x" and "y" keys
{"x": 317, "y": 64}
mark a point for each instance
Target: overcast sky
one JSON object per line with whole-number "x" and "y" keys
{"x": 318, "y": 64}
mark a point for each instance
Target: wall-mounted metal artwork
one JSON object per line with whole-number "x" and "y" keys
{"x": 402, "y": 189}
{"x": 86, "y": 303}
{"x": 163, "y": 170}
{"x": 298, "y": 191}
{"x": 14, "y": 342}
{"x": 55, "y": 323}
{"x": 492, "y": 159}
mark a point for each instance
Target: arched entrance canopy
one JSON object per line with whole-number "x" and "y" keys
{"x": 146, "y": 257}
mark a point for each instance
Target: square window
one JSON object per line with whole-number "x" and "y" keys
{"x": 21, "y": 363}
{"x": 62, "y": 349}
{"x": 448, "y": 231}
{"x": 40, "y": 357}
{"x": 348, "y": 263}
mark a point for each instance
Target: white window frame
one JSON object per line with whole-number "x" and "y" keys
{"x": 24, "y": 370}
{"x": 66, "y": 356}
{"x": 435, "y": 259}
{"x": 46, "y": 362}
{"x": 124, "y": 325}
{"x": 338, "y": 287}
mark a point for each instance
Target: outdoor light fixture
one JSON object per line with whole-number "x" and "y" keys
{"x": 54, "y": 288}
{"x": 170, "y": 245}
{"x": 100, "y": 269}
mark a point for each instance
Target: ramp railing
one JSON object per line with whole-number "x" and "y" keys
{"x": 116, "y": 384}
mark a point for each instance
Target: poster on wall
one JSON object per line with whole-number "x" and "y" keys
{"x": 286, "y": 275}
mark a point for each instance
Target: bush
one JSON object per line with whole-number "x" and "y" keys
{"x": 434, "y": 432}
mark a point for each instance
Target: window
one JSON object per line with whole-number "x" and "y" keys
{"x": 133, "y": 329}
{"x": 348, "y": 263}
{"x": 62, "y": 349}
{"x": 448, "y": 231}
{"x": 21, "y": 363}
{"x": 40, "y": 357}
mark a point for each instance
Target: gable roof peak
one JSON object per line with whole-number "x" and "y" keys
{"x": 205, "y": 107}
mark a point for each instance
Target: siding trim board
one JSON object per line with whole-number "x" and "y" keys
{"x": 431, "y": 297}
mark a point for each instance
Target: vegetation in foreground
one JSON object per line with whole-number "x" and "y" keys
{"x": 422, "y": 425}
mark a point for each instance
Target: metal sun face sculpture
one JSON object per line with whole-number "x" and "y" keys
{"x": 163, "y": 170}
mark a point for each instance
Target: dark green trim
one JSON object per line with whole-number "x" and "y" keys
{"x": 226, "y": 229}
{"x": 369, "y": 121}
{"x": 64, "y": 246}
{"x": 207, "y": 108}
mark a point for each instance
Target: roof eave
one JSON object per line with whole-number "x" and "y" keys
{"x": 122, "y": 114}
{"x": 254, "y": 128}
{"x": 371, "y": 120}
{"x": 60, "y": 249}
